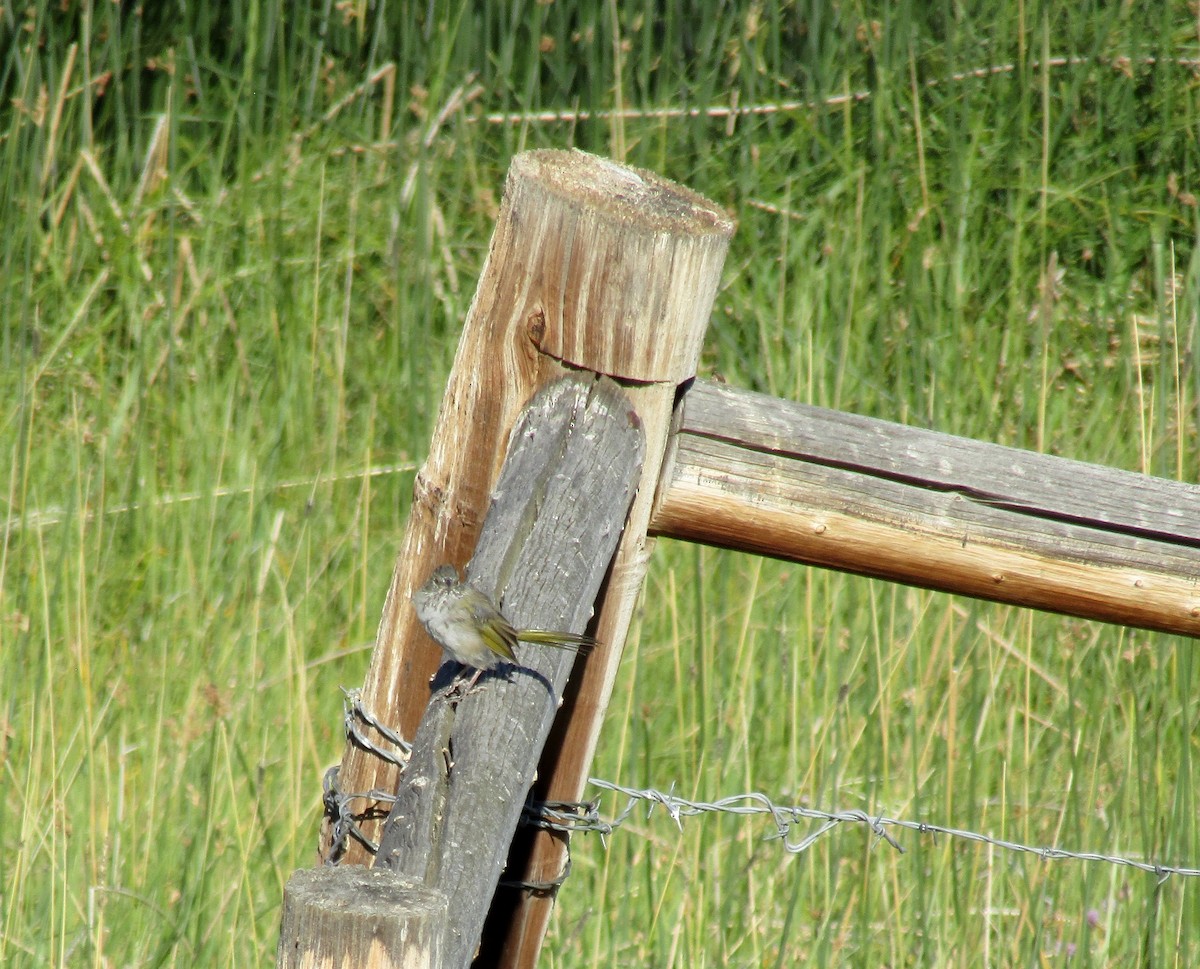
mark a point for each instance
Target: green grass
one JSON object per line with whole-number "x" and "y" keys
{"x": 236, "y": 252}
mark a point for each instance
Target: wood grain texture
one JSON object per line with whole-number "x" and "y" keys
{"x": 633, "y": 300}
{"x": 353, "y": 916}
{"x": 546, "y": 545}
{"x": 593, "y": 265}
{"x": 751, "y": 472}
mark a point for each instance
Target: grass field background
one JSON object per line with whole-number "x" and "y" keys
{"x": 237, "y": 247}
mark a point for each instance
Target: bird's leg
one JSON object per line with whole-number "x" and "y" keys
{"x": 462, "y": 684}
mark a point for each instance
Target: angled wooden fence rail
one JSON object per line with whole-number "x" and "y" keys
{"x": 572, "y": 433}
{"x": 751, "y": 472}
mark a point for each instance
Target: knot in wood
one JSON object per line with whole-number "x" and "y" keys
{"x": 535, "y": 326}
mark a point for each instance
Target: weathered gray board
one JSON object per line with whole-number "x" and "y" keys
{"x": 556, "y": 515}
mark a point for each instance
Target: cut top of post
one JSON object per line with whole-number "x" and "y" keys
{"x": 597, "y": 227}
{"x": 633, "y": 195}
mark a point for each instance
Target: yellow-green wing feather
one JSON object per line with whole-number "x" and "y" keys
{"x": 496, "y": 632}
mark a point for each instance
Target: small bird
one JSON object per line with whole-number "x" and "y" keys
{"x": 471, "y": 630}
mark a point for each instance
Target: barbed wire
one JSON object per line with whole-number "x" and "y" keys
{"x": 584, "y": 816}
{"x": 1120, "y": 63}
{"x": 343, "y": 821}
{"x": 787, "y": 817}
{"x": 57, "y": 514}
{"x": 354, "y": 713}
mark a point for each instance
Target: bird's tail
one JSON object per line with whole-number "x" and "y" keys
{"x": 563, "y": 640}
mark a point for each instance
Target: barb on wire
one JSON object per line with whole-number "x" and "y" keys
{"x": 786, "y": 817}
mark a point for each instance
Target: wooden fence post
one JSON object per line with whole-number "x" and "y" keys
{"x": 363, "y": 917}
{"x": 592, "y": 266}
